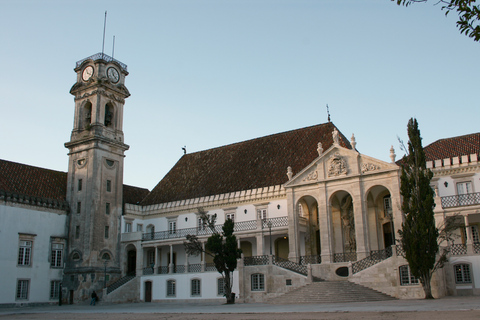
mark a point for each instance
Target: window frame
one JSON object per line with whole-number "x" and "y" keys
{"x": 55, "y": 287}
{"x": 406, "y": 276}
{"x": 464, "y": 271}
{"x": 257, "y": 282}
{"x": 56, "y": 255}
{"x": 23, "y": 289}
{"x": 107, "y": 232}
{"x": 128, "y": 227}
{"x": 172, "y": 226}
{"x": 195, "y": 287}
{"x": 220, "y": 286}
{"x": 25, "y": 256}
{"x": 171, "y": 288}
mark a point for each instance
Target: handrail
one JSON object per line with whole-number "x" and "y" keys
{"x": 460, "y": 200}
{"x": 375, "y": 257}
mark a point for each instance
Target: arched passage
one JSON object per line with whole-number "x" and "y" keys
{"x": 131, "y": 259}
{"x": 307, "y": 210}
{"x": 380, "y": 218}
{"x": 344, "y": 240}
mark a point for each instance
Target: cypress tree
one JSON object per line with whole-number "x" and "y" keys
{"x": 419, "y": 233}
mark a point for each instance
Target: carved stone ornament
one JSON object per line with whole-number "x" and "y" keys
{"x": 311, "y": 176}
{"x": 369, "y": 167}
{"x": 337, "y": 166}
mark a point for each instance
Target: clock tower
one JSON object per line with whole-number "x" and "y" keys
{"x": 95, "y": 176}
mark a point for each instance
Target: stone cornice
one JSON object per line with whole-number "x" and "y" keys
{"x": 44, "y": 204}
{"x": 220, "y": 200}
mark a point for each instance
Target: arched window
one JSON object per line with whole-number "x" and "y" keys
{"x": 195, "y": 287}
{"x": 258, "y": 282}
{"x": 406, "y": 277}
{"x": 105, "y": 256}
{"x": 462, "y": 273}
{"x": 171, "y": 288}
{"x": 86, "y": 116}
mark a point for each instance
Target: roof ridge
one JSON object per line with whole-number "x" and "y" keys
{"x": 263, "y": 137}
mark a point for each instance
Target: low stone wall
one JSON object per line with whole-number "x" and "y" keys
{"x": 275, "y": 282}
{"x": 129, "y": 292}
{"x": 384, "y": 277}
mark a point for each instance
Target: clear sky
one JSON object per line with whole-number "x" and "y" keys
{"x": 206, "y": 73}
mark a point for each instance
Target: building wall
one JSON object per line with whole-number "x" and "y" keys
{"x": 42, "y": 225}
{"x": 208, "y": 282}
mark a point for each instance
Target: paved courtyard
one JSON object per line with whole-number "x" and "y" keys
{"x": 439, "y": 309}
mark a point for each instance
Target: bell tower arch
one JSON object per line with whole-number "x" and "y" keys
{"x": 95, "y": 175}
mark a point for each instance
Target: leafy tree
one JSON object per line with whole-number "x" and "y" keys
{"x": 221, "y": 246}
{"x": 419, "y": 233}
{"x": 468, "y": 14}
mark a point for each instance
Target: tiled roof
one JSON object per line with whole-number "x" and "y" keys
{"x": 453, "y": 147}
{"x": 251, "y": 164}
{"x": 32, "y": 181}
{"x": 22, "y": 179}
{"x": 133, "y": 195}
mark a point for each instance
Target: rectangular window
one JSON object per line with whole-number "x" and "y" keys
{"x": 201, "y": 224}
{"x": 220, "y": 286}
{"x": 475, "y": 237}
{"x": 79, "y": 207}
{"x": 172, "y": 227}
{"x": 262, "y": 214}
{"x": 258, "y": 282}
{"x": 80, "y": 182}
{"x": 22, "y": 289}
{"x": 139, "y": 227}
{"x": 109, "y": 185}
{"x": 230, "y": 216}
{"x": 24, "y": 253}
{"x": 406, "y": 277}
{"x": 128, "y": 227}
{"x": 106, "y": 232}
{"x": 464, "y": 187}
{"x": 151, "y": 258}
{"x": 171, "y": 288}
{"x": 77, "y": 232}
{"x": 54, "y": 289}
{"x": 462, "y": 273}
{"x": 107, "y": 208}
{"x": 195, "y": 287}
{"x": 57, "y": 254}
{"x": 387, "y": 206}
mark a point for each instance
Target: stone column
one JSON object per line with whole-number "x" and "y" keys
{"x": 293, "y": 232}
{"x": 361, "y": 227}
{"x": 325, "y": 226}
{"x": 202, "y": 264}
{"x": 170, "y": 266}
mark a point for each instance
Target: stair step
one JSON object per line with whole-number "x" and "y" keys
{"x": 330, "y": 292}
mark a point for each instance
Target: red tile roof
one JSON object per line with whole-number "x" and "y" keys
{"x": 134, "y": 195}
{"x": 22, "y": 179}
{"x": 453, "y": 147}
{"x": 32, "y": 181}
{"x": 251, "y": 164}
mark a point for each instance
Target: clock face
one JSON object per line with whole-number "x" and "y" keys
{"x": 113, "y": 75}
{"x": 87, "y": 73}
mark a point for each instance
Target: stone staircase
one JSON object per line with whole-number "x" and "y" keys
{"x": 330, "y": 292}
{"x": 120, "y": 282}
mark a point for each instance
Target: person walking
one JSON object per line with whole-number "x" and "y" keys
{"x": 94, "y": 298}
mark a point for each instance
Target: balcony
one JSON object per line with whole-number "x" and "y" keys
{"x": 461, "y": 200}
{"x": 203, "y": 231}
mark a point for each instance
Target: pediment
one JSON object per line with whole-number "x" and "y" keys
{"x": 338, "y": 163}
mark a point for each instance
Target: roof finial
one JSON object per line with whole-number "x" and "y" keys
{"x": 328, "y": 113}
{"x": 184, "y": 150}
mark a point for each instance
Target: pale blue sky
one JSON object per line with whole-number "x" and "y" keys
{"x": 206, "y": 73}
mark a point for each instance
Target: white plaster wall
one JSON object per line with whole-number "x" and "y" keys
{"x": 208, "y": 282}
{"x": 45, "y": 225}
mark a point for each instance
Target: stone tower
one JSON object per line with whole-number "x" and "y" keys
{"x": 95, "y": 176}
